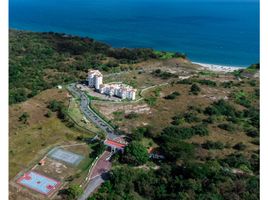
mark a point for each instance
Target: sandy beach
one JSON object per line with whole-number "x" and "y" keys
{"x": 219, "y": 68}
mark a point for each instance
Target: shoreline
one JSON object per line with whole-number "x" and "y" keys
{"x": 212, "y": 67}
{"x": 218, "y": 68}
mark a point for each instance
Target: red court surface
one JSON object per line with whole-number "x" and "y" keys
{"x": 39, "y": 182}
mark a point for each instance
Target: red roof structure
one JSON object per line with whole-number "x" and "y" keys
{"x": 114, "y": 144}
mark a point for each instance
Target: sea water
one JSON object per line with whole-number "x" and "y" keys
{"x": 209, "y": 31}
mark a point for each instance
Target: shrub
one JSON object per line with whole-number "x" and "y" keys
{"x": 252, "y": 132}
{"x": 242, "y": 98}
{"x": 227, "y": 127}
{"x": 164, "y": 74}
{"x": 24, "y": 117}
{"x": 151, "y": 101}
{"x": 176, "y": 149}
{"x": 213, "y": 145}
{"x": 207, "y": 82}
{"x": 173, "y": 95}
{"x": 131, "y": 115}
{"x": 139, "y": 133}
{"x": 74, "y": 191}
{"x": 54, "y": 105}
{"x": 185, "y": 81}
{"x": 221, "y": 107}
{"x": 190, "y": 117}
{"x": 195, "y": 89}
{"x": 178, "y": 120}
{"x": 240, "y": 146}
{"x": 200, "y": 129}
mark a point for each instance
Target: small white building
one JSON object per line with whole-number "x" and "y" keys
{"x": 123, "y": 91}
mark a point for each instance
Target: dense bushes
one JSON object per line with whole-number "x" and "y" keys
{"x": 39, "y": 61}
{"x": 57, "y": 106}
{"x": 173, "y": 95}
{"x": 184, "y": 132}
{"x": 163, "y": 74}
{"x": 220, "y": 107}
{"x": 227, "y": 126}
{"x": 200, "y": 81}
{"x": 213, "y": 145}
{"x": 135, "y": 153}
{"x": 188, "y": 181}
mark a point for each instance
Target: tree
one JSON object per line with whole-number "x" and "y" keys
{"x": 136, "y": 154}
{"x": 195, "y": 89}
{"x": 24, "y": 117}
{"x": 74, "y": 191}
{"x": 176, "y": 149}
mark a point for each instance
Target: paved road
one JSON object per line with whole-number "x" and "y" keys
{"x": 110, "y": 133}
{"x": 90, "y": 114}
{"x": 93, "y": 185}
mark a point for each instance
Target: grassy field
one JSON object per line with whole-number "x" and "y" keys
{"x": 28, "y": 141}
{"x": 158, "y": 111}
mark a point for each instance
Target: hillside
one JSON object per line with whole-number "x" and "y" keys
{"x": 39, "y": 61}
{"x": 204, "y": 123}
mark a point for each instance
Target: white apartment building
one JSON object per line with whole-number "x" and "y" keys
{"x": 94, "y": 79}
{"x": 123, "y": 91}
{"x": 119, "y": 90}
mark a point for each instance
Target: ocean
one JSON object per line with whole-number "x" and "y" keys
{"x": 208, "y": 31}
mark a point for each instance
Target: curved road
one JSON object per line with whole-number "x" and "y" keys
{"x": 90, "y": 114}
{"x": 95, "y": 182}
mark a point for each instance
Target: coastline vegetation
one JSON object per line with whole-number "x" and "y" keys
{"x": 39, "y": 61}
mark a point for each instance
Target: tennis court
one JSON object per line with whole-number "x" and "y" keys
{"x": 66, "y": 156}
{"x": 38, "y": 182}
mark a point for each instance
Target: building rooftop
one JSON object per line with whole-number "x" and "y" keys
{"x": 114, "y": 143}
{"x": 95, "y": 72}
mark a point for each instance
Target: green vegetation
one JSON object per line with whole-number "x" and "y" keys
{"x": 184, "y": 132}
{"x": 39, "y": 61}
{"x": 74, "y": 191}
{"x": 164, "y": 74}
{"x": 24, "y": 117}
{"x": 132, "y": 115}
{"x": 213, "y": 145}
{"x": 227, "y": 126}
{"x": 167, "y": 55}
{"x": 56, "y": 106}
{"x": 242, "y": 98}
{"x": 139, "y": 133}
{"x": 200, "y": 81}
{"x": 247, "y": 72}
{"x": 188, "y": 117}
{"x": 195, "y": 89}
{"x": 135, "y": 154}
{"x": 198, "y": 161}
{"x": 151, "y": 101}
{"x": 98, "y": 148}
{"x": 173, "y": 95}
{"x": 240, "y": 146}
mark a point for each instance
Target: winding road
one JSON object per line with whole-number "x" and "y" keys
{"x": 90, "y": 114}
{"x": 96, "y": 181}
